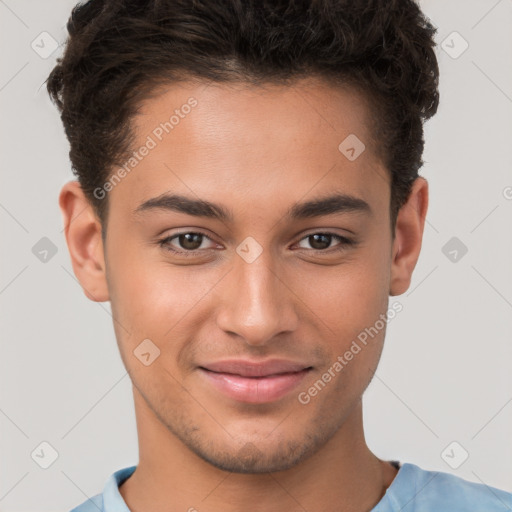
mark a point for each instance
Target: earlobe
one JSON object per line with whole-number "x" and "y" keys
{"x": 83, "y": 236}
{"x": 408, "y": 237}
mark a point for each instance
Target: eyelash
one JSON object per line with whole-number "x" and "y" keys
{"x": 343, "y": 243}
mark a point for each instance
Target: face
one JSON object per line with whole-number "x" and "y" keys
{"x": 236, "y": 320}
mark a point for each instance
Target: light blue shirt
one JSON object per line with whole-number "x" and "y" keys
{"x": 412, "y": 490}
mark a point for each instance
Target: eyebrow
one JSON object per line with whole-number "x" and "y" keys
{"x": 330, "y": 205}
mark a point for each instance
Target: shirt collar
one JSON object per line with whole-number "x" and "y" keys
{"x": 112, "y": 499}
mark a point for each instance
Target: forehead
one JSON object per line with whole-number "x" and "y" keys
{"x": 258, "y": 144}
{"x": 241, "y": 113}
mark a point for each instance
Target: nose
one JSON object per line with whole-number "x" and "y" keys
{"x": 256, "y": 302}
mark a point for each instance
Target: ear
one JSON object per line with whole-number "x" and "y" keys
{"x": 85, "y": 245}
{"x": 408, "y": 236}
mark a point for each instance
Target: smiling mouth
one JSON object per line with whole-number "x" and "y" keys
{"x": 254, "y": 383}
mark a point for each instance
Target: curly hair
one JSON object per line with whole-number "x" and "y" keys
{"x": 119, "y": 51}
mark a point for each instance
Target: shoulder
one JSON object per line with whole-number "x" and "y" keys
{"x": 419, "y": 489}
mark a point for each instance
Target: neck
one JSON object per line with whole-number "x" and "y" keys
{"x": 343, "y": 475}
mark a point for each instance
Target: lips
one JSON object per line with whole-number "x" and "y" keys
{"x": 254, "y": 382}
{"x": 255, "y": 369}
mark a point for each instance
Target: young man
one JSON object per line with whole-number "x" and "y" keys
{"x": 248, "y": 199}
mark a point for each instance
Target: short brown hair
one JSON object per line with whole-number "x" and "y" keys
{"x": 118, "y": 50}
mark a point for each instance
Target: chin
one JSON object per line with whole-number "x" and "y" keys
{"x": 252, "y": 460}
{"x": 257, "y": 457}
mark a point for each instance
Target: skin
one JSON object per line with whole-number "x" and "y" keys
{"x": 256, "y": 151}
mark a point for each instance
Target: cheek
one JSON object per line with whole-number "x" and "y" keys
{"x": 349, "y": 297}
{"x": 350, "y": 302}
{"x": 153, "y": 299}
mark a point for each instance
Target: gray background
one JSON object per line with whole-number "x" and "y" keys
{"x": 445, "y": 373}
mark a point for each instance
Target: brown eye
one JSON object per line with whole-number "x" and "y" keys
{"x": 187, "y": 243}
{"x": 190, "y": 241}
{"x": 322, "y": 241}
